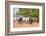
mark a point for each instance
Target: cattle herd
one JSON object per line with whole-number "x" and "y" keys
{"x": 21, "y": 20}
{"x": 25, "y": 20}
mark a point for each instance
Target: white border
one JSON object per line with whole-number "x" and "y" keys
{"x": 25, "y": 29}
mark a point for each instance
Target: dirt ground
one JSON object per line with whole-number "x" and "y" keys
{"x": 16, "y": 24}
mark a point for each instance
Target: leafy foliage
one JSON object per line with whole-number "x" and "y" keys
{"x": 27, "y": 12}
{"x": 35, "y": 13}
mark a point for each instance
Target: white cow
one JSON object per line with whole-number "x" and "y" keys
{"x": 23, "y": 18}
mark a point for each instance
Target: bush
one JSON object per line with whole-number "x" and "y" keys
{"x": 35, "y": 13}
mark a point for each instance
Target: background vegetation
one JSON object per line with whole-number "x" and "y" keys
{"x": 27, "y": 12}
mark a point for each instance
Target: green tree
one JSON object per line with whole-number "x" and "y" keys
{"x": 24, "y": 12}
{"x": 27, "y": 12}
{"x": 35, "y": 13}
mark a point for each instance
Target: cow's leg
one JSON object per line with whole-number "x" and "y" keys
{"x": 30, "y": 20}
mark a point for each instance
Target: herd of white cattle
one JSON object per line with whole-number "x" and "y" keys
{"x": 23, "y": 18}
